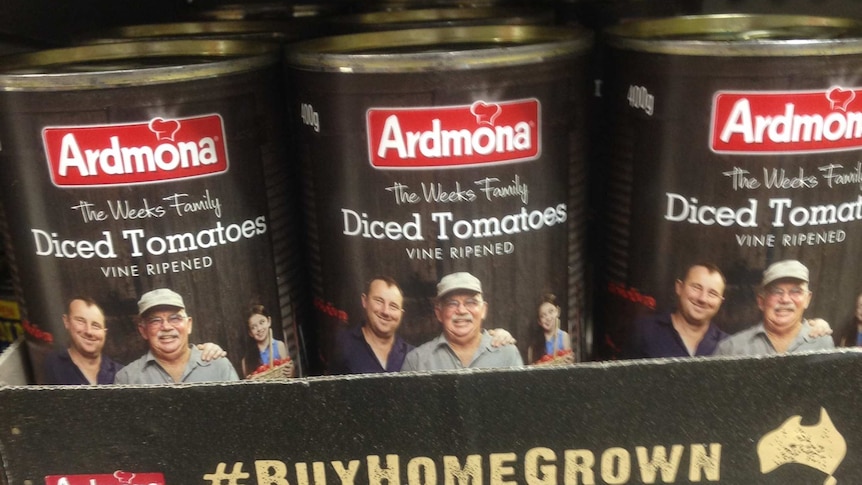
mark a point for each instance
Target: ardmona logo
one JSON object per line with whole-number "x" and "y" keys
{"x": 151, "y": 151}
{"x": 119, "y": 477}
{"x": 454, "y": 136}
{"x": 777, "y": 122}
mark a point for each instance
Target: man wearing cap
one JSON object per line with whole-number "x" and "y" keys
{"x": 375, "y": 346}
{"x": 165, "y": 325}
{"x": 461, "y": 310}
{"x": 783, "y": 298}
{"x": 83, "y": 361}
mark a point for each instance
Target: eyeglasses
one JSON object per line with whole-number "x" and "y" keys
{"x": 393, "y": 307}
{"x": 471, "y": 304}
{"x": 174, "y": 320}
{"x": 794, "y": 293}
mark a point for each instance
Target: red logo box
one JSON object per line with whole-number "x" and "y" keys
{"x": 117, "y": 478}
{"x": 153, "y": 151}
{"x": 454, "y": 136}
{"x": 786, "y": 122}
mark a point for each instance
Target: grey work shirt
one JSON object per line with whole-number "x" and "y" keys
{"x": 147, "y": 370}
{"x": 755, "y": 341}
{"x": 438, "y": 355}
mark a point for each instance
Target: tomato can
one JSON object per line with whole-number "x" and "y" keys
{"x": 734, "y": 141}
{"x": 435, "y": 151}
{"x": 135, "y": 166}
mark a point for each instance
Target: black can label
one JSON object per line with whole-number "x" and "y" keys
{"x": 111, "y": 193}
{"x": 412, "y": 180}
{"x": 715, "y": 160}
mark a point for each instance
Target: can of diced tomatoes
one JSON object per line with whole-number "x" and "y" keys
{"x": 139, "y": 166}
{"x": 431, "y": 152}
{"x": 735, "y": 141}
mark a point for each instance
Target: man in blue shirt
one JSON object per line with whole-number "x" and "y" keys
{"x": 689, "y": 330}
{"x": 82, "y": 362}
{"x": 374, "y": 346}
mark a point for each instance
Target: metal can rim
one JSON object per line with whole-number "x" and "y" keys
{"x": 433, "y": 14}
{"x": 248, "y": 11}
{"x": 31, "y": 71}
{"x": 497, "y": 45}
{"x": 276, "y": 28}
{"x": 738, "y": 35}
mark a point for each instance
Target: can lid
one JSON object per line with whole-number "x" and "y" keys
{"x": 441, "y": 17}
{"x": 392, "y": 5}
{"x": 741, "y": 35}
{"x": 132, "y": 63}
{"x": 438, "y": 49}
{"x": 263, "y": 10}
{"x": 263, "y": 30}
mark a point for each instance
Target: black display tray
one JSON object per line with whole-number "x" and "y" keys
{"x": 672, "y": 421}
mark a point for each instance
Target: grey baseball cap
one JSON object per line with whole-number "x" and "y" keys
{"x": 159, "y": 297}
{"x": 788, "y": 268}
{"x": 458, "y": 281}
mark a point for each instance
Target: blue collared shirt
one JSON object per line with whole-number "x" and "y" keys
{"x": 654, "y": 336}
{"x": 59, "y": 369}
{"x": 353, "y": 355}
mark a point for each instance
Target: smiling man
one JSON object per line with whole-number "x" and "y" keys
{"x": 82, "y": 362}
{"x": 461, "y": 310}
{"x": 374, "y": 346}
{"x": 689, "y": 330}
{"x": 783, "y": 297}
{"x": 165, "y": 325}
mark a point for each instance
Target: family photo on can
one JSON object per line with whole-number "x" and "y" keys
{"x": 783, "y": 296}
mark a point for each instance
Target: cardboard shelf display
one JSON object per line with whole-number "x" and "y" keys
{"x": 773, "y": 420}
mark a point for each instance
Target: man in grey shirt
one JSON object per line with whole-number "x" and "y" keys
{"x": 783, "y": 297}
{"x": 165, "y": 325}
{"x": 461, "y": 310}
